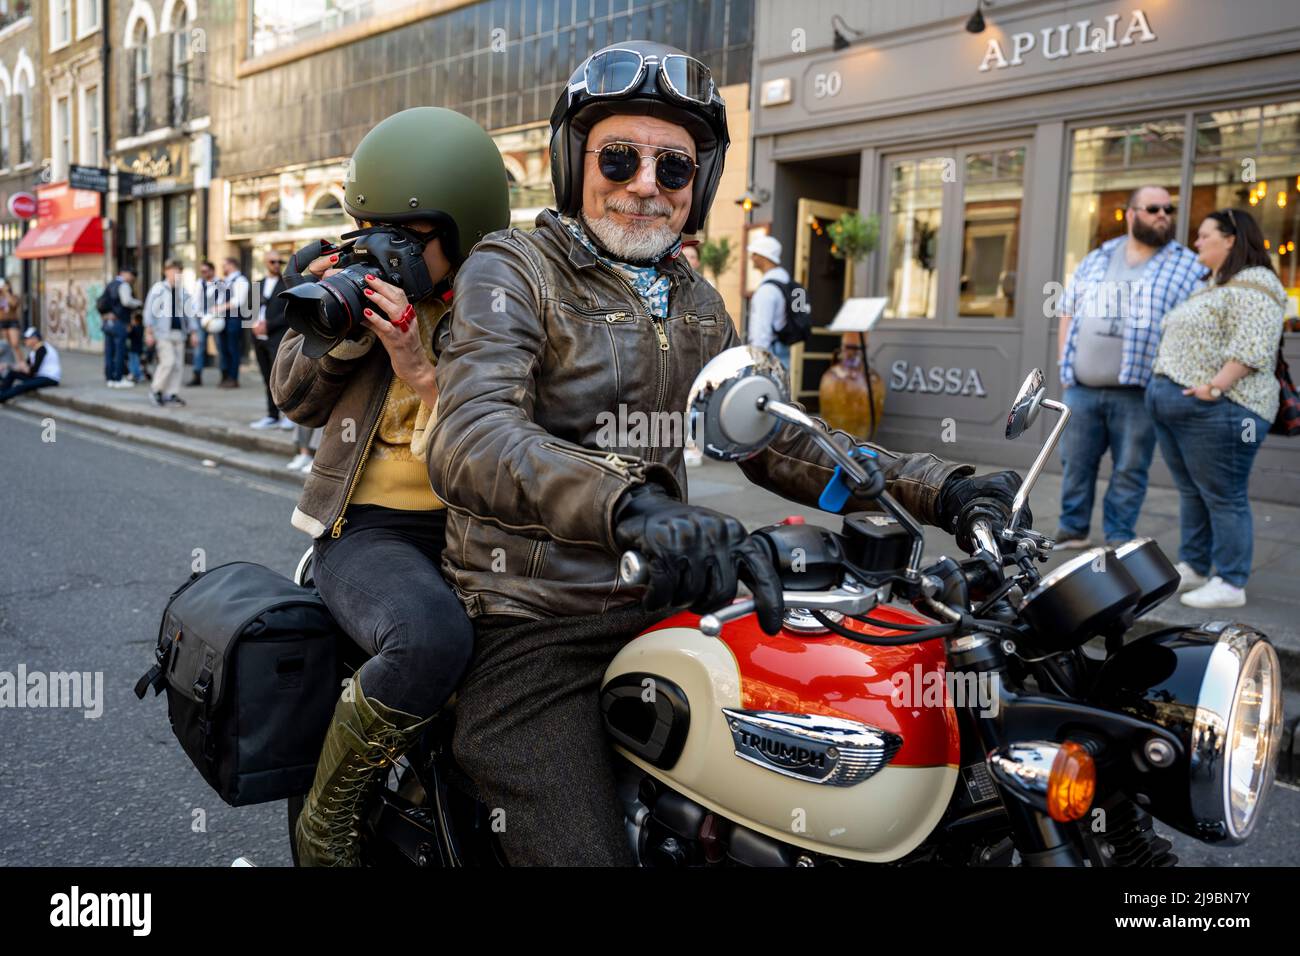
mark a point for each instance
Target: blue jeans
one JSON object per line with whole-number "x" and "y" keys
{"x": 228, "y": 344}
{"x": 1114, "y": 419}
{"x": 133, "y": 366}
{"x": 1209, "y": 448}
{"x": 782, "y": 352}
{"x": 114, "y": 349}
{"x": 200, "y": 351}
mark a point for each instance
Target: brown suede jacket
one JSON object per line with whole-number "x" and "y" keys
{"x": 545, "y": 344}
{"x": 345, "y": 391}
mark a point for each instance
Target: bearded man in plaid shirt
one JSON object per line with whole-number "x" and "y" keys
{"x": 1109, "y": 329}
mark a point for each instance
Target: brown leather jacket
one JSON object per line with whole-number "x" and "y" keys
{"x": 345, "y": 391}
{"x": 545, "y": 344}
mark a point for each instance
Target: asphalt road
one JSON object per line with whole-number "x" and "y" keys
{"x": 96, "y": 535}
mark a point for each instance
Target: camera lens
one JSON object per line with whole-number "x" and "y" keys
{"x": 328, "y": 311}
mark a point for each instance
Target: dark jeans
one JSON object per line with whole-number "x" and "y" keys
{"x": 115, "y": 332}
{"x": 1102, "y": 419}
{"x": 381, "y": 582}
{"x": 201, "y": 351}
{"x": 530, "y": 734}
{"x": 265, "y": 350}
{"x": 229, "y": 344}
{"x": 16, "y": 383}
{"x": 1210, "y": 448}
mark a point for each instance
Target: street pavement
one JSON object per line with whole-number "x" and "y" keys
{"x": 98, "y": 530}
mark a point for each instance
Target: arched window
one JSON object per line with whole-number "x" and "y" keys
{"x": 4, "y": 132}
{"x": 140, "y": 80}
{"x": 25, "y": 119}
{"x": 182, "y": 57}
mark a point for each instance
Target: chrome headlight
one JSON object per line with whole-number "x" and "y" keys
{"x": 1218, "y": 690}
{"x": 1237, "y": 732}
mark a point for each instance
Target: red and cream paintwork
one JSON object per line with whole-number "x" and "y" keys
{"x": 878, "y": 820}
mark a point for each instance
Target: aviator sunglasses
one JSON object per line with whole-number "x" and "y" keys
{"x": 620, "y": 162}
{"x": 1154, "y": 208}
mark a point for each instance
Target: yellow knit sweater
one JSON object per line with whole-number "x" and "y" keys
{"x": 394, "y": 473}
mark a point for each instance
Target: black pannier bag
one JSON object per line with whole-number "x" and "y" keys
{"x": 250, "y": 662}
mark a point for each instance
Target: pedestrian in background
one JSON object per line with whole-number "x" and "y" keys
{"x": 268, "y": 331}
{"x": 205, "y": 296}
{"x": 1213, "y": 399}
{"x": 169, "y": 310}
{"x": 135, "y": 349}
{"x": 42, "y": 369}
{"x": 233, "y": 306}
{"x": 1109, "y": 328}
{"x": 115, "y": 306}
{"x": 11, "y": 320}
{"x": 767, "y": 303}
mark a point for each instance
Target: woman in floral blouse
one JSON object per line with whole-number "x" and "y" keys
{"x": 1213, "y": 398}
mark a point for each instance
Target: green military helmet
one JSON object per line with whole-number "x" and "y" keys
{"x": 433, "y": 164}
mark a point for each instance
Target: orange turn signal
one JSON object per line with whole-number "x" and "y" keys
{"x": 1072, "y": 784}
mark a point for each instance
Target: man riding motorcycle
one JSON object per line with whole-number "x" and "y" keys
{"x": 377, "y": 525}
{"x": 596, "y": 312}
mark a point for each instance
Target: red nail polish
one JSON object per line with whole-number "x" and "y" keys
{"x": 370, "y": 292}
{"x": 369, "y": 276}
{"x": 368, "y": 312}
{"x": 334, "y": 258}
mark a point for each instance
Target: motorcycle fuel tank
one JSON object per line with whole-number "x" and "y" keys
{"x": 815, "y": 740}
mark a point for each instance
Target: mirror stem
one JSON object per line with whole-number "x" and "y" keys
{"x": 1022, "y": 496}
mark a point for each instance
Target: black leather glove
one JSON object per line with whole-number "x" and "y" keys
{"x": 695, "y": 555}
{"x": 963, "y": 501}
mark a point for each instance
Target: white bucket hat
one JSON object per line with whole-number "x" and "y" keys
{"x": 769, "y": 247}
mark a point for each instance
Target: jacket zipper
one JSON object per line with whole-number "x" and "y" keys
{"x": 662, "y": 333}
{"x": 610, "y": 460}
{"x": 365, "y": 453}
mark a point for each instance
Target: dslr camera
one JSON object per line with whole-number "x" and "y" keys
{"x": 328, "y": 311}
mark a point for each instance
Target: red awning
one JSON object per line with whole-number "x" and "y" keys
{"x": 69, "y": 237}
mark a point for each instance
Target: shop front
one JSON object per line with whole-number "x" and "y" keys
{"x": 66, "y": 243}
{"x": 161, "y": 197}
{"x": 996, "y": 168}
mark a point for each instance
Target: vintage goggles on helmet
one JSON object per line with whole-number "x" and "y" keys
{"x": 614, "y": 73}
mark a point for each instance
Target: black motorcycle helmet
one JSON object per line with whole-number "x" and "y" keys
{"x": 642, "y": 78}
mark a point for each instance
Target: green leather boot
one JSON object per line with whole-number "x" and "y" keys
{"x": 364, "y": 739}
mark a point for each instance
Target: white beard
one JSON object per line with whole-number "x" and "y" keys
{"x": 633, "y": 243}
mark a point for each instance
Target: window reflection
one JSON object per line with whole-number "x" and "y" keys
{"x": 1107, "y": 164}
{"x": 994, "y": 189}
{"x": 915, "y": 215}
{"x": 1250, "y": 159}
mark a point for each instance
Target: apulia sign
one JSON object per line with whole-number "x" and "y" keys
{"x": 1067, "y": 39}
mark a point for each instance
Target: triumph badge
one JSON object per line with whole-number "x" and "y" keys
{"x": 829, "y": 750}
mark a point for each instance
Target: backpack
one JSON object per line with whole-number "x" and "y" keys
{"x": 107, "y": 298}
{"x": 798, "y": 312}
{"x": 251, "y": 665}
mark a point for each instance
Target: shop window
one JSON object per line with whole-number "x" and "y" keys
{"x": 130, "y": 224}
{"x": 915, "y": 215}
{"x": 993, "y": 189}
{"x": 1250, "y": 159}
{"x": 1107, "y": 163}
{"x": 929, "y": 274}
{"x": 327, "y": 211}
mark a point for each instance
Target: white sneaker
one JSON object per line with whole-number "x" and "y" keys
{"x": 694, "y": 457}
{"x": 306, "y": 465}
{"x": 125, "y": 383}
{"x": 266, "y": 422}
{"x": 1187, "y": 578}
{"x": 296, "y": 462}
{"x": 287, "y": 425}
{"x": 1216, "y": 593}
